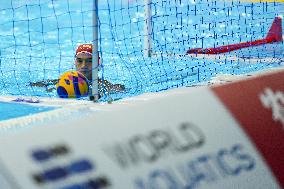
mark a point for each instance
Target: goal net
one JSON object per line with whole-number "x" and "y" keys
{"x": 142, "y": 43}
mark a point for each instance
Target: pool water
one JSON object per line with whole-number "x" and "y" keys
{"x": 38, "y": 40}
{"x": 13, "y": 110}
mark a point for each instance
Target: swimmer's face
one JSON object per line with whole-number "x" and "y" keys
{"x": 83, "y": 63}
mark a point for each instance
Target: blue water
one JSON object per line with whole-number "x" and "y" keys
{"x": 38, "y": 40}
{"x": 14, "y": 110}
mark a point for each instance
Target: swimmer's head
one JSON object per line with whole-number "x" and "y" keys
{"x": 83, "y": 60}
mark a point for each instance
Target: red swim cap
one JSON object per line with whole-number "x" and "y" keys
{"x": 84, "y": 48}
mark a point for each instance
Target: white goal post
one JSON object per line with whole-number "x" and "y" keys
{"x": 148, "y": 29}
{"x": 95, "y": 61}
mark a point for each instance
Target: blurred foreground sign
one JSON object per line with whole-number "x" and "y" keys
{"x": 229, "y": 136}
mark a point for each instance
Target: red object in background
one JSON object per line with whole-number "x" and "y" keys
{"x": 274, "y": 35}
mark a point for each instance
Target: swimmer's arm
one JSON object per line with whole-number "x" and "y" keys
{"x": 44, "y": 83}
{"x": 48, "y": 84}
{"x": 111, "y": 87}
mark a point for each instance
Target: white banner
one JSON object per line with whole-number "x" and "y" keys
{"x": 180, "y": 140}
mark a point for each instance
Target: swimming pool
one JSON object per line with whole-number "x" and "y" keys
{"x": 38, "y": 39}
{"x": 10, "y": 110}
